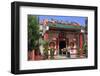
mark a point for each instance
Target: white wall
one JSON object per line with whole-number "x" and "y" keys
{"x": 5, "y": 33}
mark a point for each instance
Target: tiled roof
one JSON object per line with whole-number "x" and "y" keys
{"x": 63, "y": 26}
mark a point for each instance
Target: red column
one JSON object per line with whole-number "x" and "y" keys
{"x": 81, "y": 41}
{"x": 81, "y": 44}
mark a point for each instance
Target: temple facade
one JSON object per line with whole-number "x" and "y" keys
{"x": 63, "y": 34}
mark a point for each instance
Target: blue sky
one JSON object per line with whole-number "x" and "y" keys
{"x": 80, "y": 20}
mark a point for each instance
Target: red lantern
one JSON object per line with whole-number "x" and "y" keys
{"x": 46, "y": 36}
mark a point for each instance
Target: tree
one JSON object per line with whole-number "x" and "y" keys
{"x": 33, "y": 32}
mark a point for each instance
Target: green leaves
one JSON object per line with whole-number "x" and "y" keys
{"x": 33, "y": 32}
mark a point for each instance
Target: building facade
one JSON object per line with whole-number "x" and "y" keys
{"x": 63, "y": 34}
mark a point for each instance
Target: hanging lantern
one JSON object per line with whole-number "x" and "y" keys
{"x": 41, "y": 27}
{"x": 47, "y": 27}
{"x": 46, "y": 36}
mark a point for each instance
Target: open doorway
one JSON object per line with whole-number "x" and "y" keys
{"x": 62, "y": 44}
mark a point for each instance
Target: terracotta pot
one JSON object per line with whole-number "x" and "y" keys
{"x": 81, "y": 52}
{"x": 33, "y": 54}
{"x": 29, "y": 55}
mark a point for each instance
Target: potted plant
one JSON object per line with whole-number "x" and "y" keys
{"x": 52, "y": 49}
{"x": 85, "y": 49}
{"x": 46, "y": 48}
